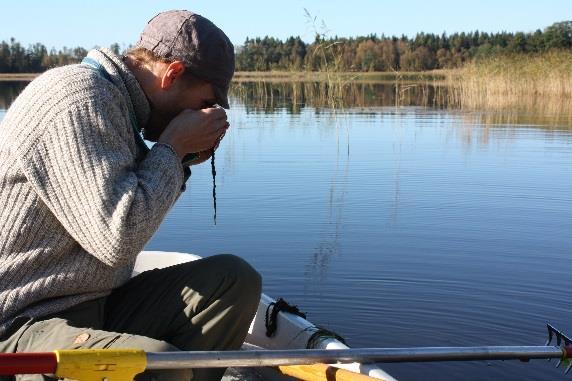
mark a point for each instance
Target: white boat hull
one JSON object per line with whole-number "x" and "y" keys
{"x": 292, "y": 331}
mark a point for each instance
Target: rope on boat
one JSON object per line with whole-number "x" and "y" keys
{"x": 272, "y": 311}
{"x": 322, "y": 334}
{"x": 319, "y": 334}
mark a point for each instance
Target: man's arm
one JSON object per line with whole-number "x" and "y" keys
{"x": 84, "y": 170}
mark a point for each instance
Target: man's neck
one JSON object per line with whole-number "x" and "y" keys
{"x": 132, "y": 65}
{"x": 144, "y": 76}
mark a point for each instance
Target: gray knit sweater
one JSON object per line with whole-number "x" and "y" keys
{"x": 78, "y": 197}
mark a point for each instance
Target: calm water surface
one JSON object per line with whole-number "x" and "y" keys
{"x": 395, "y": 226}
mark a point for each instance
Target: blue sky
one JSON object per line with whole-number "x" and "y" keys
{"x": 89, "y": 23}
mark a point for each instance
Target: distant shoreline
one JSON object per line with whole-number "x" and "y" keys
{"x": 277, "y": 76}
{"x": 18, "y": 76}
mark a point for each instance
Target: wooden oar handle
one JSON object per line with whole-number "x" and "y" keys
{"x": 322, "y": 372}
{"x": 28, "y": 363}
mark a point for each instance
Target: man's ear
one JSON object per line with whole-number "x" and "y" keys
{"x": 174, "y": 70}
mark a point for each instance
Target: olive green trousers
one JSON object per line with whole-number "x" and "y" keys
{"x": 206, "y": 304}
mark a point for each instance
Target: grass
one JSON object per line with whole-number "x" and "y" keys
{"x": 519, "y": 82}
{"x": 535, "y": 83}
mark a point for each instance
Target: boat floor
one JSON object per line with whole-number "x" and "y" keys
{"x": 254, "y": 374}
{"x": 242, "y": 374}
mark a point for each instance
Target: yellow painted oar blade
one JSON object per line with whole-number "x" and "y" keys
{"x": 99, "y": 364}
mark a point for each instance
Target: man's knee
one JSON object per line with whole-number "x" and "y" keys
{"x": 247, "y": 279}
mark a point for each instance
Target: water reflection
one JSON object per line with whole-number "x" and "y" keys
{"x": 329, "y": 241}
{"x": 9, "y": 90}
{"x": 293, "y": 97}
{"x": 348, "y": 96}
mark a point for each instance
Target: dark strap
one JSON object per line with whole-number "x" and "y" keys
{"x": 280, "y": 305}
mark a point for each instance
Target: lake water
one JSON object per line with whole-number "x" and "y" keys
{"x": 393, "y": 226}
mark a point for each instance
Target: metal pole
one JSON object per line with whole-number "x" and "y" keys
{"x": 257, "y": 358}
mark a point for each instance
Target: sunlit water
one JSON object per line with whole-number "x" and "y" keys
{"x": 396, "y": 227}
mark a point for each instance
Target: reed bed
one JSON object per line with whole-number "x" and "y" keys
{"x": 354, "y": 77}
{"x": 519, "y": 82}
{"x": 336, "y": 95}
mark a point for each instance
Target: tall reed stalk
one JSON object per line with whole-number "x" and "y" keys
{"x": 330, "y": 64}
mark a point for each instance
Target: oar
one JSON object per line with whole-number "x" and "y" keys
{"x": 120, "y": 364}
{"x": 258, "y": 358}
{"x": 95, "y": 364}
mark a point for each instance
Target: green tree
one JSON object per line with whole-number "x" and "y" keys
{"x": 518, "y": 44}
{"x": 36, "y": 54}
{"x": 115, "y": 48}
{"x": 558, "y": 35}
{"x": 4, "y": 57}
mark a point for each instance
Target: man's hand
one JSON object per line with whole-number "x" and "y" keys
{"x": 195, "y": 131}
{"x": 200, "y": 157}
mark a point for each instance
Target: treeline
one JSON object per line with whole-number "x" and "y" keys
{"x": 36, "y": 58}
{"x": 425, "y": 51}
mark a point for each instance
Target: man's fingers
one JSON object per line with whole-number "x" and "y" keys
{"x": 220, "y": 127}
{"x": 217, "y": 113}
{"x": 200, "y": 130}
{"x": 220, "y": 137}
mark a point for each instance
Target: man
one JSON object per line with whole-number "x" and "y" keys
{"x": 81, "y": 194}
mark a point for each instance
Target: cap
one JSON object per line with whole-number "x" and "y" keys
{"x": 191, "y": 38}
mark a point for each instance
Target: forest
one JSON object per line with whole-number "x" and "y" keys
{"x": 424, "y": 51}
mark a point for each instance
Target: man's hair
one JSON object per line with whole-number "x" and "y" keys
{"x": 146, "y": 58}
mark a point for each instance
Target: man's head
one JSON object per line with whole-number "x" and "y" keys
{"x": 184, "y": 62}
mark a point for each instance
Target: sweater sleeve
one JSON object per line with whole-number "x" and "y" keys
{"x": 83, "y": 168}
